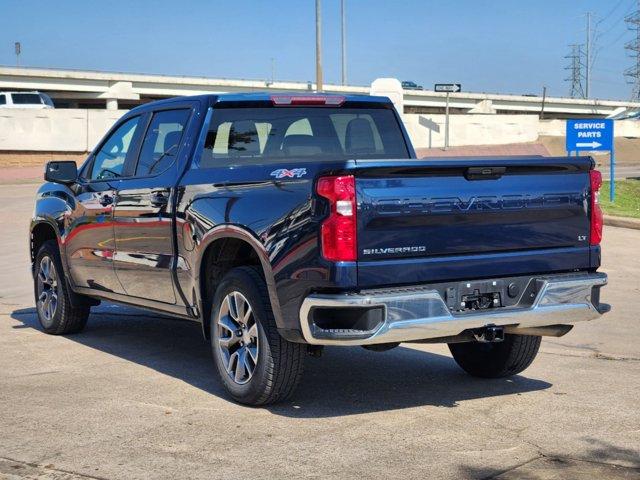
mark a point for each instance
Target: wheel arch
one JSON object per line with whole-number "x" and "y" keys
{"x": 53, "y": 202}
{"x": 40, "y": 232}
{"x": 221, "y": 249}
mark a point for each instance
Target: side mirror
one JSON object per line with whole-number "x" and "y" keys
{"x": 61, "y": 171}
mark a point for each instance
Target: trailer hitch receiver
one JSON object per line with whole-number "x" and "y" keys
{"x": 489, "y": 334}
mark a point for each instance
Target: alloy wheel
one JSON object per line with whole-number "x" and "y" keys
{"x": 47, "y": 290}
{"x": 237, "y": 337}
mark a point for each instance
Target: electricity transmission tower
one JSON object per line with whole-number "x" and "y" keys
{"x": 633, "y": 73}
{"x": 575, "y": 69}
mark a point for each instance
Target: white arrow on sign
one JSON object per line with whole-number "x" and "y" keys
{"x": 589, "y": 144}
{"x": 447, "y": 87}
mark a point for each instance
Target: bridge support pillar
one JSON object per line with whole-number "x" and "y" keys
{"x": 483, "y": 106}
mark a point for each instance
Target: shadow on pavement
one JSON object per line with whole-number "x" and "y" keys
{"x": 344, "y": 381}
{"x": 601, "y": 461}
{"x": 601, "y": 451}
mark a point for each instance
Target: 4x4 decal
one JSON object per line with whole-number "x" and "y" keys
{"x": 286, "y": 173}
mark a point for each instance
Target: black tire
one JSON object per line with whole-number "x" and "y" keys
{"x": 63, "y": 318}
{"x": 499, "y": 359}
{"x": 279, "y": 364}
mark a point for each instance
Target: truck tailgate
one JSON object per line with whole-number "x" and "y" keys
{"x": 464, "y": 208}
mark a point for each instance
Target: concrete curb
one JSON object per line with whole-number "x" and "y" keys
{"x": 622, "y": 222}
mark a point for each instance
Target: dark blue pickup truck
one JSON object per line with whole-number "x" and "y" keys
{"x": 283, "y": 223}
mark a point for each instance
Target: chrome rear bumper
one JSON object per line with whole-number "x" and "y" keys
{"x": 421, "y": 313}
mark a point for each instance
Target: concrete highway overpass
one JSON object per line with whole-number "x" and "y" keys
{"x": 113, "y": 91}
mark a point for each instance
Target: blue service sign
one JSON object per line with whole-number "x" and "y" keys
{"x": 589, "y": 134}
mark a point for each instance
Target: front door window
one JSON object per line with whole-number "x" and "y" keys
{"x": 109, "y": 161}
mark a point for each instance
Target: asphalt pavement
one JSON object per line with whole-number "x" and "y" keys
{"x": 135, "y": 396}
{"x": 622, "y": 172}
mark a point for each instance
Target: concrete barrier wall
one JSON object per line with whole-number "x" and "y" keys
{"x": 428, "y": 131}
{"x": 622, "y": 128}
{"x": 62, "y": 130}
{"x": 78, "y": 130}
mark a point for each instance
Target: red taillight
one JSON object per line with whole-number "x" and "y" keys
{"x": 597, "y": 219}
{"x": 338, "y": 233}
{"x": 307, "y": 100}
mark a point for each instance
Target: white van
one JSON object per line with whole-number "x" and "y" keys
{"x": 25, "y": 100}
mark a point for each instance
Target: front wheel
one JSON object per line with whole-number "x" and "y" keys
{"x": 257, "y": 366}
{"x": 56, "y": 313}
{"x": 499, "y": 359}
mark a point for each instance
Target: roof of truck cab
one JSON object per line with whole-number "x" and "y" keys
{"x": 212, "y": 99}
{"x": 266, "y": 96}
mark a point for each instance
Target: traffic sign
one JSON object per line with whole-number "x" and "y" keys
{"x": 593, "y": 135}
{"x": 589, "y": 134}
{"x": 448, "y": 87}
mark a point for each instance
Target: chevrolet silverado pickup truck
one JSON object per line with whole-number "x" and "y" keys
{"x": 284, "y": 223}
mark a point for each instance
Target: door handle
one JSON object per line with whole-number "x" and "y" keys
{"x": 159, "y": 199}
{"x": 106, "y": 200}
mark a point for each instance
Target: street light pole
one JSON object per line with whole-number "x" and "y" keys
{"x": 273, "y": 70}
{"x": 588, "y": 57}
{"x": 318, "y": 47}
{"x": 344, "y": 44}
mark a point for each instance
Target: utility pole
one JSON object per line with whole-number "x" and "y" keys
{"x": 544, "y": 99}
{"x": 632, "y": 73}
{"x": 318, "y": 47}
{"x": 588, "y": 58}
{"x": 575, "y": 67}
{"x": 18, "y": 50}
{"x": 273, "y": 70}
{"x": 344, "y": 44}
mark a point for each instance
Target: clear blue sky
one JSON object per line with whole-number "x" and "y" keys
{"x": 508, "y": 46}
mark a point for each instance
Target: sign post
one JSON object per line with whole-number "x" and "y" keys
{"x": 446, "y": 123}
{"x": 593, "y": 135}
{"x": 447, "y": 88}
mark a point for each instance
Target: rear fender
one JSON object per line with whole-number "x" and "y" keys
{"x": 232, "y": 231}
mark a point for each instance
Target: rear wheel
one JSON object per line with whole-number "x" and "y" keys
{"x": 499, "y": 359}
{"x": 56, "y": 313}
{"x": 256, "y": 365}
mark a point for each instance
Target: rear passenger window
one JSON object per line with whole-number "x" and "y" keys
{"x": 162, "y": 141}
{"x": 3, "y": 100}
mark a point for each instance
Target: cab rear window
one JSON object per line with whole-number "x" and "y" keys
{"x": 239, "y": 136}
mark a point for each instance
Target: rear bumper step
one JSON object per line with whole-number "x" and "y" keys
{"x": 421, "y": 313}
